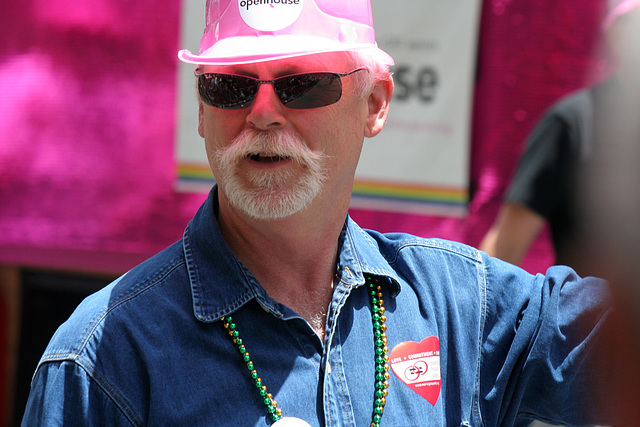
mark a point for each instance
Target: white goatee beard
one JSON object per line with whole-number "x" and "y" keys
{"x": 272, "y": 194}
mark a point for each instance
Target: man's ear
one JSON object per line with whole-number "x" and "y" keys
{"x": 378, "y": 103}
{"x": 200, "y": 118}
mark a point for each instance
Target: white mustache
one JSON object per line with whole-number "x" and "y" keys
{"x": 281, "y": 144}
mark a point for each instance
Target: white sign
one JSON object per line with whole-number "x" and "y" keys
{"x": 420, "y": 161}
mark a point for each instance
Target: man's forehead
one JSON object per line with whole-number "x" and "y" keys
{"x": 330, "y": 61}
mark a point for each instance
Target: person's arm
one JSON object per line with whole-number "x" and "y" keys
{"x": 542, "y": 179}
{"x": 548, "y": 349}
{"x": 512, "y": 233}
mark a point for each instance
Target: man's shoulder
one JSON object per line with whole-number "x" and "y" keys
{"x": 395, "y": 244}
{"x": 73, "y": 338}
{"x": 437, "y": 258}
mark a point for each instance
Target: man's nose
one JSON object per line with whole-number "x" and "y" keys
{"x": 266, "y": 111}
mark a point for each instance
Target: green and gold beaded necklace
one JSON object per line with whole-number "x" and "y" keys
{"x": 381, "y": 358}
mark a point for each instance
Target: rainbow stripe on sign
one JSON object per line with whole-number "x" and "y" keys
{"x": 410, "y": 198}
{"x": 195, "y": 172}
{"x": 410, "y": 191}
{"x": 367, "y": 194}
{"x": 194, "y": 178}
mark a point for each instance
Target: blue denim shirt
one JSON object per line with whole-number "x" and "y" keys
{"x": 474, "y": 341}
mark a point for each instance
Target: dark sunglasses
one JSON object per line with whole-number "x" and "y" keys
{"x": 298, "y": 91}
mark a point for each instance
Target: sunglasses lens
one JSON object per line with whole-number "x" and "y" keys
{"x": 300, "y": 91}
{"x": 305, "y": 91}
{"x": 226, "y": 91}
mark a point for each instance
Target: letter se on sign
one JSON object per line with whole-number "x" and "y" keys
{"x": 422, "y": 83}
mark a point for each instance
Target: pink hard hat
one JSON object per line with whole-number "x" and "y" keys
{"x": 245, "y": 31}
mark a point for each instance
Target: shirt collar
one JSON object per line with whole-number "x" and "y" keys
{"x": 221, "y": 284}
{"x": 359, "y": 255}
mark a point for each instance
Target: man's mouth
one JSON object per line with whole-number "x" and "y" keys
{"x": 266, "y": 158}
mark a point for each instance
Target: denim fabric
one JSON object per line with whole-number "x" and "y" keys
{"x": 150, "y": 349}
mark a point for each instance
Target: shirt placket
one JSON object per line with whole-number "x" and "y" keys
{"x": 338, "y": 408}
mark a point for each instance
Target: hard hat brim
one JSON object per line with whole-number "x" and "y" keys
{"x": 246, "y": 50}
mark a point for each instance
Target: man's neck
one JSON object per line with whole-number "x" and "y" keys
{"x": 294, "y": 258}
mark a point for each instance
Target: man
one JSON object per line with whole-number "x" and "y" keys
{"x": 275, "y": 307}
{"x": 579, "y": 172}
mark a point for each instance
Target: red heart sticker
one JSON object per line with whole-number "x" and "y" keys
{"x": 418, "y": 366}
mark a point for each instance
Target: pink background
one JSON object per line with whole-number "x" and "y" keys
{"x": 87, "y": 123}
